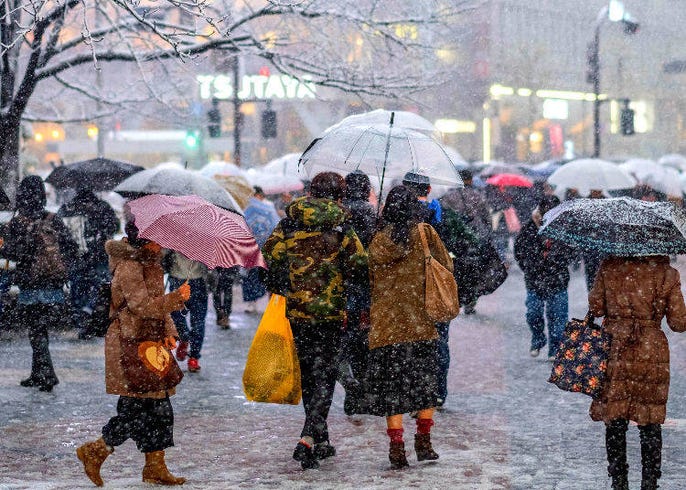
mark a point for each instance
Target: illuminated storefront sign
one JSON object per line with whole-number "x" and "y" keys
{"x": 256, "y": 87}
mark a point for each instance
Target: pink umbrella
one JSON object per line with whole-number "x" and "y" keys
{"x": 509, "y": 180}
{"x": 198, "y": 229}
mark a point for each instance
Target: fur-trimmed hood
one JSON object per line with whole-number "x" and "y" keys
{"x": 120, "y": 250}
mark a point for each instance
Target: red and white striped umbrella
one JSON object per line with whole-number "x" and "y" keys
{"x": 198, "y": 229}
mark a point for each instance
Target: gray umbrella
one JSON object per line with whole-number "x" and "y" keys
{"x": 176, "y": 182}
{"x": 619, "y": 226}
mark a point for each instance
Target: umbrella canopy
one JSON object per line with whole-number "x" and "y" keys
{"x": 589, "y": 174}
{"x": 382, "y": 151}
{"x": 97, "y": 174}
{"x": 239, "y": 188}
{"x": 494, "y": 168}
{"x": 674, "y": 160}
{"x": 285, "y": 165}
{"x": 619, "y": 226}
{"x": 509, "y": 180}
{"x": 460, "y": 163}
{"x": 401, "y": 119}
{"x": 176, "y": 182}
{"x": 198, "y": 229}
{"x": 219, "y": 167}
{"x": 541, "y": 171}
{"x": 272, "y": 183}
{"x": 659, "y": 177}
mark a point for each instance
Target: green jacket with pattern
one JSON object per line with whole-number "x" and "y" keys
{"x": 321, "y": 254}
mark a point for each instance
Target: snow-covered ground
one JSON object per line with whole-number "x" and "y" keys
{"x": 504, "y": 426}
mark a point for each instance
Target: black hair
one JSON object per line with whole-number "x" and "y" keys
{"x": 357, "y": 186}
{"x": 401, "y": 211}
{"x": 132, "y": 234}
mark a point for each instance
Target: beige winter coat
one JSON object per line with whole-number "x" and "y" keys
{"x": 397, "y": 281}
{"x": 138, "y": 287}
{"x": 634, "y": 294}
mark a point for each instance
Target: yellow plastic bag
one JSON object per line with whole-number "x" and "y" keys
{"x": 272, "y": 371}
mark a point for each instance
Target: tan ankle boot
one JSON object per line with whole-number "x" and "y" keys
{"x": 155, "y": 470}
{"x": 92, "y": 455}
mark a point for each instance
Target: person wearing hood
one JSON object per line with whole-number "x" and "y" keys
{"x": 41, "y": 245}
{"x": 139, "y": 310}
{"x": 321, "y": 254}
{"x": 403, "y": 374}
{"x": 545, "y": 264}
{"x": 92, "y": 222}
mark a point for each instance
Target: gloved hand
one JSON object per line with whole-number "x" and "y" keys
{"x": 185, "y": 290}
{"x": 170, "y": 342}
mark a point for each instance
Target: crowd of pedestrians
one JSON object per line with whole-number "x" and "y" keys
{"x": 353, "y": 277}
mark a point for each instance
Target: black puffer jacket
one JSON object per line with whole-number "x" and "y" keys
{"x": 544, "y": 262}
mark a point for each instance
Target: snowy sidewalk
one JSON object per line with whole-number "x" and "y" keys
{"x": 504, "y": 426}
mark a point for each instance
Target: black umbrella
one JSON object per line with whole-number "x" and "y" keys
{"x": 97, "y": 174}
{"x": 619, "y": 226}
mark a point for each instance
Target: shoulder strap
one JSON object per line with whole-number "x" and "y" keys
{"x": 425, "y": 245}
{"x": 121, "y": 307}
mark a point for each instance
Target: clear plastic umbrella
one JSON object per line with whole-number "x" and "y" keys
{"x": 401, "y": 119}
{"x": 381, "y": 151}
{"x": 284, "y": 165}
{"x": 587, "y": 174}
{"x": 674, "y": 160}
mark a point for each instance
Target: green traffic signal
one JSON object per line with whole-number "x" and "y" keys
{"x": 192, "y": 139}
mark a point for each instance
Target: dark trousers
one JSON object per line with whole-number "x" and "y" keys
{"x": 148, "y": 421}
{"x": 443, "y": 361}
{"x": 197, "y": 309}
{"x": 317, "y": 345}
{"x": 37, "y": 318}
{"x": 222, "y": 293}
{"x": 651, "y": 448}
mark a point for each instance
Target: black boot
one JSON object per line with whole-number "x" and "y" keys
{"x": 615, "y": 443}
{"x": 651, "y": 455}
{"x": 305, "y": 455}
{"x": 397, "y": 456}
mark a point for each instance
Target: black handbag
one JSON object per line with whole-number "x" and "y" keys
{"x": 580, "y": 365}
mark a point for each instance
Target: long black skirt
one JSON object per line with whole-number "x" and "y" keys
{"x": 401, "y": 378}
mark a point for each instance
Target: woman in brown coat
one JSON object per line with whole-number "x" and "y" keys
{"x": 139, "y": 310}
{"x": 634, "y": 294}
{"x": 403, "y": 339}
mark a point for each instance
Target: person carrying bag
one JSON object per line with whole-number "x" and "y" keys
{"x": 137, "y": 359}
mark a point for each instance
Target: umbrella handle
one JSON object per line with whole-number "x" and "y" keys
{"x": 385, "y": 160}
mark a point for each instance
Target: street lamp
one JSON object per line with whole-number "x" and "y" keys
{"x": 614, "y": 12}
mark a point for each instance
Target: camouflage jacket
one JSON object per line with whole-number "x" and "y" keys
{"x": 321, "y": 255}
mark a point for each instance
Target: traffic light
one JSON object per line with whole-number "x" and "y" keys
{"x": 192, "y": 139}
{"x": 626, "y": 119}
{"x": 214, "y": 120}
{"x": 269, "y": 124}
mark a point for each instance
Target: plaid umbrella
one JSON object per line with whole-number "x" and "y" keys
{"x": 619, "y": 226}
{"x": 198, "y": 229}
